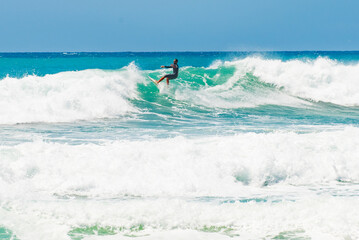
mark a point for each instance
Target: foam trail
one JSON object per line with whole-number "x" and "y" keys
{"x": 68, "y": 96}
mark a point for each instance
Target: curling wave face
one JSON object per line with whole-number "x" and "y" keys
{"x": 256, "y": 81}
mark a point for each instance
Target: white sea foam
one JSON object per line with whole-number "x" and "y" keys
{"x": 210, "y": 166}
{"x": 314, "y": 217}
{"x": 321, "y": 79}
{"x": 68, "y": 96}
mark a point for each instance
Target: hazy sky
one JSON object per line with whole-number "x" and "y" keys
{"x": 185, "y": 25}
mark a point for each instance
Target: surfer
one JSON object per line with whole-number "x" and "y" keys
{"x": 174, "y": 75}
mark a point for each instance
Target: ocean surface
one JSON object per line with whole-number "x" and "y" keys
{"x": 243, "y": 145}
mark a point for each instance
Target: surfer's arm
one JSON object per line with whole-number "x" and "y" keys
{"x": 167, "y": 66}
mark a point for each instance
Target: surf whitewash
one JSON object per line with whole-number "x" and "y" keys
{"x": 239, "y": 146}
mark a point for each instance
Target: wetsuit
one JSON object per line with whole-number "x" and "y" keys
{"x": 175, "y": 71}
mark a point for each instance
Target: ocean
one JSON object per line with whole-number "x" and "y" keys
{"x": 242, "y": 145}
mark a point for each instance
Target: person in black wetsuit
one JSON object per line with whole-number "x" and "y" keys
{"x": 174, "y": 75}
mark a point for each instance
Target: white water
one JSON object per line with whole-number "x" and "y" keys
{"x": 69, "y": 96}
{"x": 49, "y": 189}
{"x": 210, "y": 166}
{"x": 315, "y": 217}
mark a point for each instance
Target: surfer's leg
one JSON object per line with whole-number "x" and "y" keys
{"x": 161, "y": 79}
{"x": 168, "y": 76}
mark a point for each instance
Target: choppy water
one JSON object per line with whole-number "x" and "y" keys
{"x": 241, "y": 145}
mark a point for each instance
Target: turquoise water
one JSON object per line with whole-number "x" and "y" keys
{"x": 164, "y": 109}
{"x": 249, "y": 145}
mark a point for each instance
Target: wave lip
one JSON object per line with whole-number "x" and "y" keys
{"x": 69, "y": 96}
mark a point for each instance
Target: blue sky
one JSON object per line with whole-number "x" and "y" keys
{"x": 185, "y": 25}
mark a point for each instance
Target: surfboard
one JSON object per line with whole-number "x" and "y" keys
{"x": 153, "y": 80}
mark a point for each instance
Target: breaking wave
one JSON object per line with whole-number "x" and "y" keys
{"x": 244, "y": 83}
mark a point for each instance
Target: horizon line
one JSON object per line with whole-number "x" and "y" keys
{"x": 194, "y": 51}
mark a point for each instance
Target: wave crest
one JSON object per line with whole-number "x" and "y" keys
{"x": 321, "y": 79}
{"x": 69, "y": 96}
